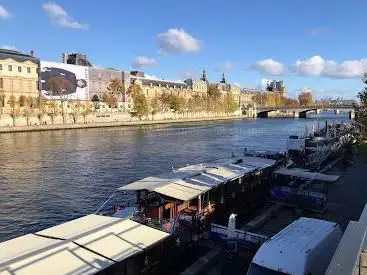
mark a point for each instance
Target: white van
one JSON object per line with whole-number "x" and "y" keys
{"x": 305, "y": 247}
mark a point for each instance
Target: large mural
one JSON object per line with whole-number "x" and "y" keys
{"x": 99, "y": 79}
{"x": 64, "y": 81}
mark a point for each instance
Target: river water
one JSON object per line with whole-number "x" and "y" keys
{"x": 50, "y": 177}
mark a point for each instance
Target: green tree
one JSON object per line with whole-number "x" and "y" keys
{"x": 361, "y": 114}
{"x": 140, "y": 103}
{"x": 116, "y": 87}
{"x": 14, "y": 110}
{"x": 176, "y": 103}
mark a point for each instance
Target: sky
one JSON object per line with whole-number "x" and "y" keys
{"x": 319, "y": 45}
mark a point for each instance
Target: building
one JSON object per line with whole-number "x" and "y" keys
{"x": 76, "y": 59}
{"x": 99, "y": 79}
{"x": 277, "y": 86}
{"x": 18, "y": 74}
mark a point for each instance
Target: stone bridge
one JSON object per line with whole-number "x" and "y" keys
{"x": 301, "y": 112}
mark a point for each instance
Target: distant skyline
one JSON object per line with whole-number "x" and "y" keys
{"x": 315, "y": 44}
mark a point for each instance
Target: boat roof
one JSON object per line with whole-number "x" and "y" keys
{"x": 188, "y": 182}
{"x": 289, "y": 248}
{"x": 305, "y": 174}
{"x": 83, "y": 246}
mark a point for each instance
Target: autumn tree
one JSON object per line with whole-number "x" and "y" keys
{"x": 86, "y": 110}
{"x": 230, "y": 105}
{"x": 76, "y": 109}
{"x": 176, "y": 103}
{"x": 140, "y": 103}
{"x": 155, "y": 106}
{"x": 28, "y": 109}
{"x": 115, "y": 87}
{"x": 14, "y": 110}
{"x": 2, "y": 102}
{"x": 53, "y": 110}
{"x": 57, "y": 88}
{"x": 288, "y": 102}
{"x": 165, "y": 99}
{"x": 110, "y": 99}
{"x": 213, "y": 98}
{"x": 42, "y": 109}
{"x": 305, "y": 99}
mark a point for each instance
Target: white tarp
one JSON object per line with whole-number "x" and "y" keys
{"x": 302, "y": 173}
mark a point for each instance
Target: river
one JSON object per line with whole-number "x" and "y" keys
{"x": 50, "y": 177}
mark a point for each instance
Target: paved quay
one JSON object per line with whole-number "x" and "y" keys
{"x": 50, "y": 127}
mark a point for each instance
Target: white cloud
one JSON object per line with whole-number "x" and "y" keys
{"x": 61, "y": 18}
{"x": 269, "y": 66}
{"x": 264, "y": 83}
{"x": 319, "y": 31}
{"x": 4, "y": 14}
{"x": 9, "y": 47}
{"x": 142, "y": 61}
{"x": 317, "y": 66}
{"x": 177, "y": 41}
{"x": 225, "y": 67}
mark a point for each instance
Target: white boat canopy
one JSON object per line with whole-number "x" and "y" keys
{"x": 305, "y": 174}
{"x": 189, "y": 182}
{"x": 83, "y": 246}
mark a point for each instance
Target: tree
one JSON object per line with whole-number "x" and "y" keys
{"x": 288, "y": 102}
{"x": 361, "y": 114}
{"x": 42, "y": 108}
{"x": 95, "y": 100}
{"x": 53, "y": 110}
{"x": 165, "y": 99}
{"x": 305, "y": 99}
{"x": 230, "y": 105}
{"x": 57, "y": 87}
{"x": 76, "y": 108}
{"x": 2, "y": 102}
{"x": 28, "y": 110}
{"x": 259, "y": 98}
{"x": 176, "y": 103}
{"x": 110, "y": 99}
{"x": 213, "y": 91}
{"x": 86, "y": 110}
{"x": 14, "y": 111}
{"x": 140, "y": 103}
{"x": 213, "y": 98}
{"x": 115, "y": 87}
{"x": 154, "y": 106}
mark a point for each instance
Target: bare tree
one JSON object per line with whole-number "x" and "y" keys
{"x": 28, "y": 110}
{"x": 86, "y": 110}
{"x": 53, "y": 110}
{"x": 76, "y": 110}
{"x": 42, "y": 108}
{"x": 57, "y": 87}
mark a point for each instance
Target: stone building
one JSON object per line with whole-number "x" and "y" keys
{"x": 99, "y": 79}
{"x": 278, "y": 87}
{"x": 18, "y": 74}
{"x": 76, "y": 59}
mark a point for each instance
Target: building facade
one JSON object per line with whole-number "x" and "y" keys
{"x": 18, "y": 75}
{"x": 99, "y": 79}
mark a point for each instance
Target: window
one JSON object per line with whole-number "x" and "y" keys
{"x": 28, "y": 70}
{"x": 10, "y": 68}
{"x": 1, "y": 83}
{"x": 19, "y": 69}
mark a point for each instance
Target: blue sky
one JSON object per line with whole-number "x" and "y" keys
{"x": 314, "y": 44}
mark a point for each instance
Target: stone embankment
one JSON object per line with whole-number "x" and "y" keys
{"x": 49, "y": 127}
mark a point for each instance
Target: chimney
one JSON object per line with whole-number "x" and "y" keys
{"x": 33, "y": 54}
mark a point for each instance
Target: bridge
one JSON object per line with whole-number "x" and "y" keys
{"x": 301, "y": 112}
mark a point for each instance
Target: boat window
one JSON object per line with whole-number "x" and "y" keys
{"x": 260, "y": 270}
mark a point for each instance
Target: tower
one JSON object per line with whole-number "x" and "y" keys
{"x": 204, "y": 77}
{"x": 223, "y": 79}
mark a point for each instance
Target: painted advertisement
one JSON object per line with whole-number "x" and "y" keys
{"x": 61, "y": 81}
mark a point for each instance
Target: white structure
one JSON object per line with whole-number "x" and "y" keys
{"x": 304, "y": 247}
